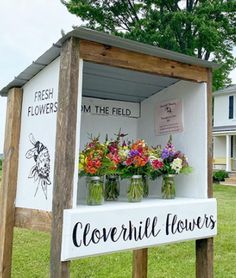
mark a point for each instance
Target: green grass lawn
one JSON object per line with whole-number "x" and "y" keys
{"x": 31, "y": 252}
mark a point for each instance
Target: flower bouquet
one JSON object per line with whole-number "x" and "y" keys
{"x": 94, "y": 163}
{"x": 168, "y": 163}
{"x": 134, "y": 165}
{"x": 112, "y": 185}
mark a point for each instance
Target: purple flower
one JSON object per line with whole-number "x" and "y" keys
{"x": 133, "y": 153}
{"x": 168, "y": 151}
{"x": 165, "y": 154}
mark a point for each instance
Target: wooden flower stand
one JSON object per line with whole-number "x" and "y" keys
{"x": 124, "y": 82}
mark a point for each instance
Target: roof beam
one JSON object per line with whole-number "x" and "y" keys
{"x": 117, "y": 57}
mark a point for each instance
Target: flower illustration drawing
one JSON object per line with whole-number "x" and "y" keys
{"x": 41, "y": 170}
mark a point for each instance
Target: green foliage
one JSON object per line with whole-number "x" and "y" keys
{"x": 186, "y": 170}
{"x": 201, "y": 28}
{"x": 220, "y": 175}
{"x": 31, "y": 252}
{"x": 0, "y": 164}
{"x": 126, "y": 172}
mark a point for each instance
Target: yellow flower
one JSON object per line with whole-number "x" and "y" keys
{"x": 123, "y": 152}
{"x": 82, "y": 161}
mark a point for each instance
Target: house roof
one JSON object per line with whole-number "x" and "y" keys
{"x": 228, "y": 90}
{"x": 95, "y": 36}
{"x": 224, "y": 128}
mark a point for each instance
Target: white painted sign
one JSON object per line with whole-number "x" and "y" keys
{"x": 96, "y": 106}
{"x": 169, "y": 118}
{"x": 114, "y": 227}
{"x": 37, "y": 140}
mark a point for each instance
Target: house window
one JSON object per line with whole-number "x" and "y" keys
{"x": 232, "y": 147}
{"x": 231, "y": 107}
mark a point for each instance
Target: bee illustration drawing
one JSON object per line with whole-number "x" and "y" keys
{"x": 168, "y": 109}
{"x": 41, "y": 170}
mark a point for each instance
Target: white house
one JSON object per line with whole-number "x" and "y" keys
{"x": 224, "y": 129}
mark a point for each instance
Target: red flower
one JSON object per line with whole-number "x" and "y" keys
{"x": 157, "y": 164}
{"x": 114, "y": 157}
{"x": 129, "y": 161}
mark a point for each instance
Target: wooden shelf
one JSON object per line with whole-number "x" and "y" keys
{"x": 147, "y": 202}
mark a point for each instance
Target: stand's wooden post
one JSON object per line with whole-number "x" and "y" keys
{"x": 204, "y": 247}
{"x": 8, "y": 187}
{"x": 140, "y": 258}
{"x": 65, "y": 150}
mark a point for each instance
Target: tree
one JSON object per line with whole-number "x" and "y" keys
{"x": 202, "y": 28}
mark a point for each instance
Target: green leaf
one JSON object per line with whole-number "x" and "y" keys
{"x": 205, "y": 29}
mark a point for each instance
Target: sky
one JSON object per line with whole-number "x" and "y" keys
{"x": 27, "y": 29}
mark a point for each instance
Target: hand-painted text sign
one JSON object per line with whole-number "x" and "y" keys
{"x": 90, "y": 231}
{"x": 37, "y": 140}
{"x": 110, "y": 108}
{"x": 43, "y": 103}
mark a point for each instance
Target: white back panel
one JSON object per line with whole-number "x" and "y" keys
{"x": 192, "y": 141}
{"x": 31, "y": 193}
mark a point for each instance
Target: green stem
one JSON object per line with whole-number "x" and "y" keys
{"x": 95, "y": 193}
{"x": 111, "y": 189}
{"x": 135, "y": 192}
{"x": 168, "y": 188}
{"x": 145, "y": 186}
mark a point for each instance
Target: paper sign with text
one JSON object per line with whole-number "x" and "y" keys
{"x": 169, "y": 118}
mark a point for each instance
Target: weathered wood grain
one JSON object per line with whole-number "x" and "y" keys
{"x": 9, "y": 179}
{"x": 204, "y": 258}
{"x": 117, "y": 57}
{"x": 209, "y": 134}
{"x": 33, "y": 219}
{"x": 140, "y": 260}
{"x": 204, "y": 247}
{"x": 65, "y": 150}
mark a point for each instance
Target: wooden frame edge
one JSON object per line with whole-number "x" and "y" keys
{"x": 205, "y": 247}
{"x": 140, "y": 263}
{"x": 117, "y": 57}
{"x": 65, "y": 151}
{"x": 9, "y": 179}
{"x": 33, "y": 219}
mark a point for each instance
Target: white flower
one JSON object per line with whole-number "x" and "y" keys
{"x": 176, "y": 165}
{"x": 153, "y": 157}
{"x": 123, "y": 153}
